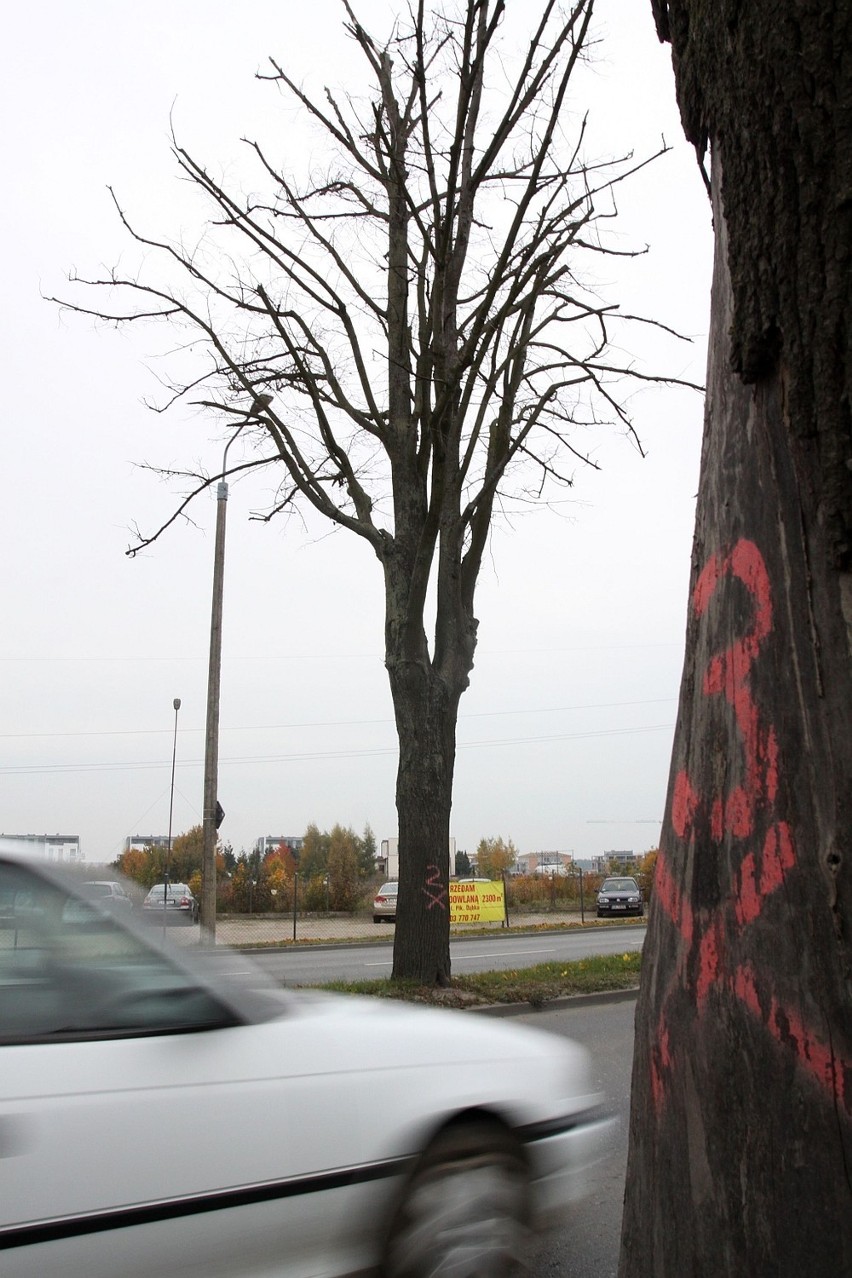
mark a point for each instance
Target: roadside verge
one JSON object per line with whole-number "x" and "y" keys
{"x": 535, "y": 987}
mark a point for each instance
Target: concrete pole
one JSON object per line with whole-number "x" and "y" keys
{"x": 211, "y": 744}
{"x": 176, "y": 706}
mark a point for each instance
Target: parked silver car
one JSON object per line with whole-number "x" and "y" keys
{"x": 109, "y": 894}
{"x": 384, "y": 903}
{"x": 170, "y": 903}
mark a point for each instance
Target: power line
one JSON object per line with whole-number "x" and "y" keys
{"x": 47, "y": 769}
{"x": 338, "y": 656}
{"x": 328, "y": 723}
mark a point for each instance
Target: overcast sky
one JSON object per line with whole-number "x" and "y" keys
{"x": 565, "y": 733}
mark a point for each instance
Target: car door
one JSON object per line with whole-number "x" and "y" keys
{"x": 146, "y": 1129}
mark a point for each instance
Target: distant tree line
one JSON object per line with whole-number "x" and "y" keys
{"x": 333, "y": 871}
{"x": 329, "y": 872}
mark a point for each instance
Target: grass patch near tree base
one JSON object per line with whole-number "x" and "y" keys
{"x": 534, "y": 985}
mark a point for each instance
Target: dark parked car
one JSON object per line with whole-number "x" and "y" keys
{"x": 170, "y": 903}
{"x": 619, "y": 896}
{"x": 109, "y": 895}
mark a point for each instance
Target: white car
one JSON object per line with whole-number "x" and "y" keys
{"x": 384, "y": 903}
{"x": 170, "y": 903}
{"x": 155, "y": 1120}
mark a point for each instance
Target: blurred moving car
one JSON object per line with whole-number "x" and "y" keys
{"x": 111, "y": 895}
{"x": 156, "y": 1121}
{"x": 620, "y": 896}
{"x": 170, "y": 903}
{"x": 384, "y": 903}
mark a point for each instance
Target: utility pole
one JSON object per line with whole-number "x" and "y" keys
{"x": 176, "y": 707}
{"x": 211, "y": 742}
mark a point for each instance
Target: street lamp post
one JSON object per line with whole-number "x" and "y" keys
{"x": 211, "y": 745}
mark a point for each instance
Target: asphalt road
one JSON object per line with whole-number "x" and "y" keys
{"x": 587, "y": 1245}
{"x": 316, "y": 965}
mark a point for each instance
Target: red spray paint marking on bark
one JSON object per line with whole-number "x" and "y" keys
{"x": 434, "y": 889}
{"x": 735, "y": 815}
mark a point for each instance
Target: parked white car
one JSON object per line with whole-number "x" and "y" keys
{"x": 156, "y": 1121}
{"x": 170, "y": 903}
{"x": 384, "y": 903}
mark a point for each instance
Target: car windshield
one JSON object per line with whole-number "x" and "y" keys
{"x": 174, "y": 889}
{"x": 620, "y": 885}
{"x": 69, "y": 970}
{"x": 389, "y": 889}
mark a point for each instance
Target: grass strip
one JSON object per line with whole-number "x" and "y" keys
{"x": 534, "y": 985}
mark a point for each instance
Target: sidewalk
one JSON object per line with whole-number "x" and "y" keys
{"x": 237, "y": 930}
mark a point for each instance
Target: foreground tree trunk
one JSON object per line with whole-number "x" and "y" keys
{"x": 741, "y": 1127}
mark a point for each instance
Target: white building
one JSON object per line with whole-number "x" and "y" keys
{"x": 139, "y": 842}
{"x": 272, "y": 842}
{"x": 544, "y": 863}
{"x": 612, "y": 862}
{"x": 388, "y": 862}
{"x": 50, "y": 847}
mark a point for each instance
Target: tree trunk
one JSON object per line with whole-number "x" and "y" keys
{"x": 741, "y": 1124}
{"x": 426, "y": 711}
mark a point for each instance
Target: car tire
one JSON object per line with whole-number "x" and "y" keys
{"x": 466, "y": 1209}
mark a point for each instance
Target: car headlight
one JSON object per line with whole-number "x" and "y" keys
{"x": 602, "y": 900}
{"x": 633, "y": 900}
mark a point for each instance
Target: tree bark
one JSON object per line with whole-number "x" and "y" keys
{"x": 426, "y": 712}
{"x": 741, "y": 1124}
{"x": 426, "y": 689}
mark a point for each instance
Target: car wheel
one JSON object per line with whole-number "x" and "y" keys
{"x": 465, "y": 1213}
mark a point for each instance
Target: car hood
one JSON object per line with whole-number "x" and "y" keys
{"x": 400, "y": 1034}
{"x": 425, "y": 1064}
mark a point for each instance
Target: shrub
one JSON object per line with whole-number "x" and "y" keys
{"x": 550, "y": 892}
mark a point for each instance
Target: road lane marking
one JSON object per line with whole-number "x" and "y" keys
{"x": 504, "y": 953}
{"x": 491, "y": 954}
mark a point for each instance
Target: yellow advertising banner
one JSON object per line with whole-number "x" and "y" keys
{"x": 477, "y": 901}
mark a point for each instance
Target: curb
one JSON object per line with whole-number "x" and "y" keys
{"x": 292, "y": 947}
{"x": 559, "y": 1004}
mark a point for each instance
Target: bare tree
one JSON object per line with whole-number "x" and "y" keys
{"x": 405, "y": 338}
{"x": 740, "y": 1157}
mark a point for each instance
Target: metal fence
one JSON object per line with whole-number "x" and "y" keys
{"x": 544, "y": 903}
{"x": 278, "y": 929}
{"x": 562, "y": 900}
